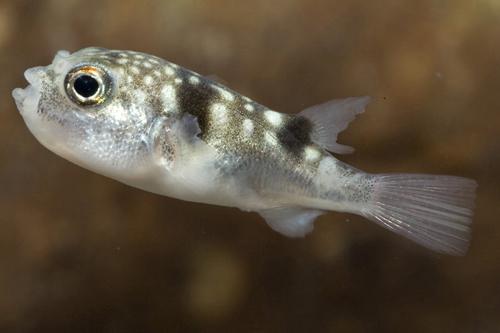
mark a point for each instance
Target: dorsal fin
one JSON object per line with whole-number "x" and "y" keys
{"x": 331, "y": 118}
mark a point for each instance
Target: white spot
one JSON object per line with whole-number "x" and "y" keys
{"x": 139, "y": 56}
{"x": 123, "y": 54}
{"x": 129, "y": 79}
{"x": 247, "y": 128}
{"x": 174, "y": 65}
{"x": 147, "y": 64}
{"x": 270, "y": 138}
{"x": 246, "y": 99}
{"x": 249, "y": 107}
{"x": 311, "y": 154}
{"x": 178, "y": 80}
{"x": 122, "y": 61}
{"x": 327, "y": 168}
{"x": 148, "y": 80}
{"x": 154, "y": 61}
{"x": 135, "y": 70}
{"x": 157, "y": 73}
{"x": 274, "y": 118}
{"x": 136, "y": 62}
{"x": 168, "y": 97}
{"x": 219, "y": 113}
{"x": 194, "y": 79}
{"x": 169, "y": 70}
{"x": 140, "y": 96}
{"x": 227, "y": 95}
{"x": 121, "y": 71}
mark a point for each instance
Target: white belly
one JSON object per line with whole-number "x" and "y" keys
{"x": 192, "y": 176}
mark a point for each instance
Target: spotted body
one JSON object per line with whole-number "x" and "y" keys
{"x": 154, "y": 125}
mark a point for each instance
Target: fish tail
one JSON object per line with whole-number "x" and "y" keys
{"x": 434, "y": 211}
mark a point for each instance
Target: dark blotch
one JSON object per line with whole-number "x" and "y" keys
{"x": 196, "y": 100}
{"x": 295, "y": 135}
{"x": 115, "y": 55}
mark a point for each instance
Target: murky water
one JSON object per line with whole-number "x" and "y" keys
{"x": 82, "y": 253}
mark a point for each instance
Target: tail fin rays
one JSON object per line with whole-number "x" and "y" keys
{"x": 434, "y": 211}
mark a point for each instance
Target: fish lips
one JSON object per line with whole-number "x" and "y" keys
{"x": 27, "y": 98}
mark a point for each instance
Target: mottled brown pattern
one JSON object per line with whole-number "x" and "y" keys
{"x": 196, "y": 100}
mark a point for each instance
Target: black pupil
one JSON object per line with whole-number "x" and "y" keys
{"x": 86, "y": 86}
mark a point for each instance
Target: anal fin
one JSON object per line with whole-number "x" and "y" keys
{"x": 291, "y": 221}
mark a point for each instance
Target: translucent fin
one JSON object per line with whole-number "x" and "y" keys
{"x": 291, "y": 221}
{"x": 331, "y": 118}
{"x": 434, "y": 211}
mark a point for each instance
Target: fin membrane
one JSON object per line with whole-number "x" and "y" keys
{"x": 331, "y": 118}
{"x": 291, "y": 221}
{"x": 434, "y": 211}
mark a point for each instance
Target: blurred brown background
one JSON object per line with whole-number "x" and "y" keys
{"x": 82, "y": 253}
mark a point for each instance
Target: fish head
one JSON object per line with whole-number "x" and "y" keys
{"x": 93, "y": 108}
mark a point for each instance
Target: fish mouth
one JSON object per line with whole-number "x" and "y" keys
{"x": 27, "y": 98}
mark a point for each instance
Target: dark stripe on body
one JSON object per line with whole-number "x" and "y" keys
{"x": 295, "y": 135}
{"x": 195, "y": 100}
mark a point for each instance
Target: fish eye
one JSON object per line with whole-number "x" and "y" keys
{"x": 87, "y": 85}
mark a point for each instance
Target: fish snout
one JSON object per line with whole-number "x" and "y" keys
{"x": 27, "y": 98}
{"x": 34, "y": 76}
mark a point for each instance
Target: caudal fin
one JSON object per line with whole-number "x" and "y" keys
{"x": 434, "y": 211}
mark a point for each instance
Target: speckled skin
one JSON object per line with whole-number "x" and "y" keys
{"x": 259, "y": 152}
{"x": 269, "y": 161}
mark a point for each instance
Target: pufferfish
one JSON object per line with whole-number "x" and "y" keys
{"x": 154, "y": 125}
